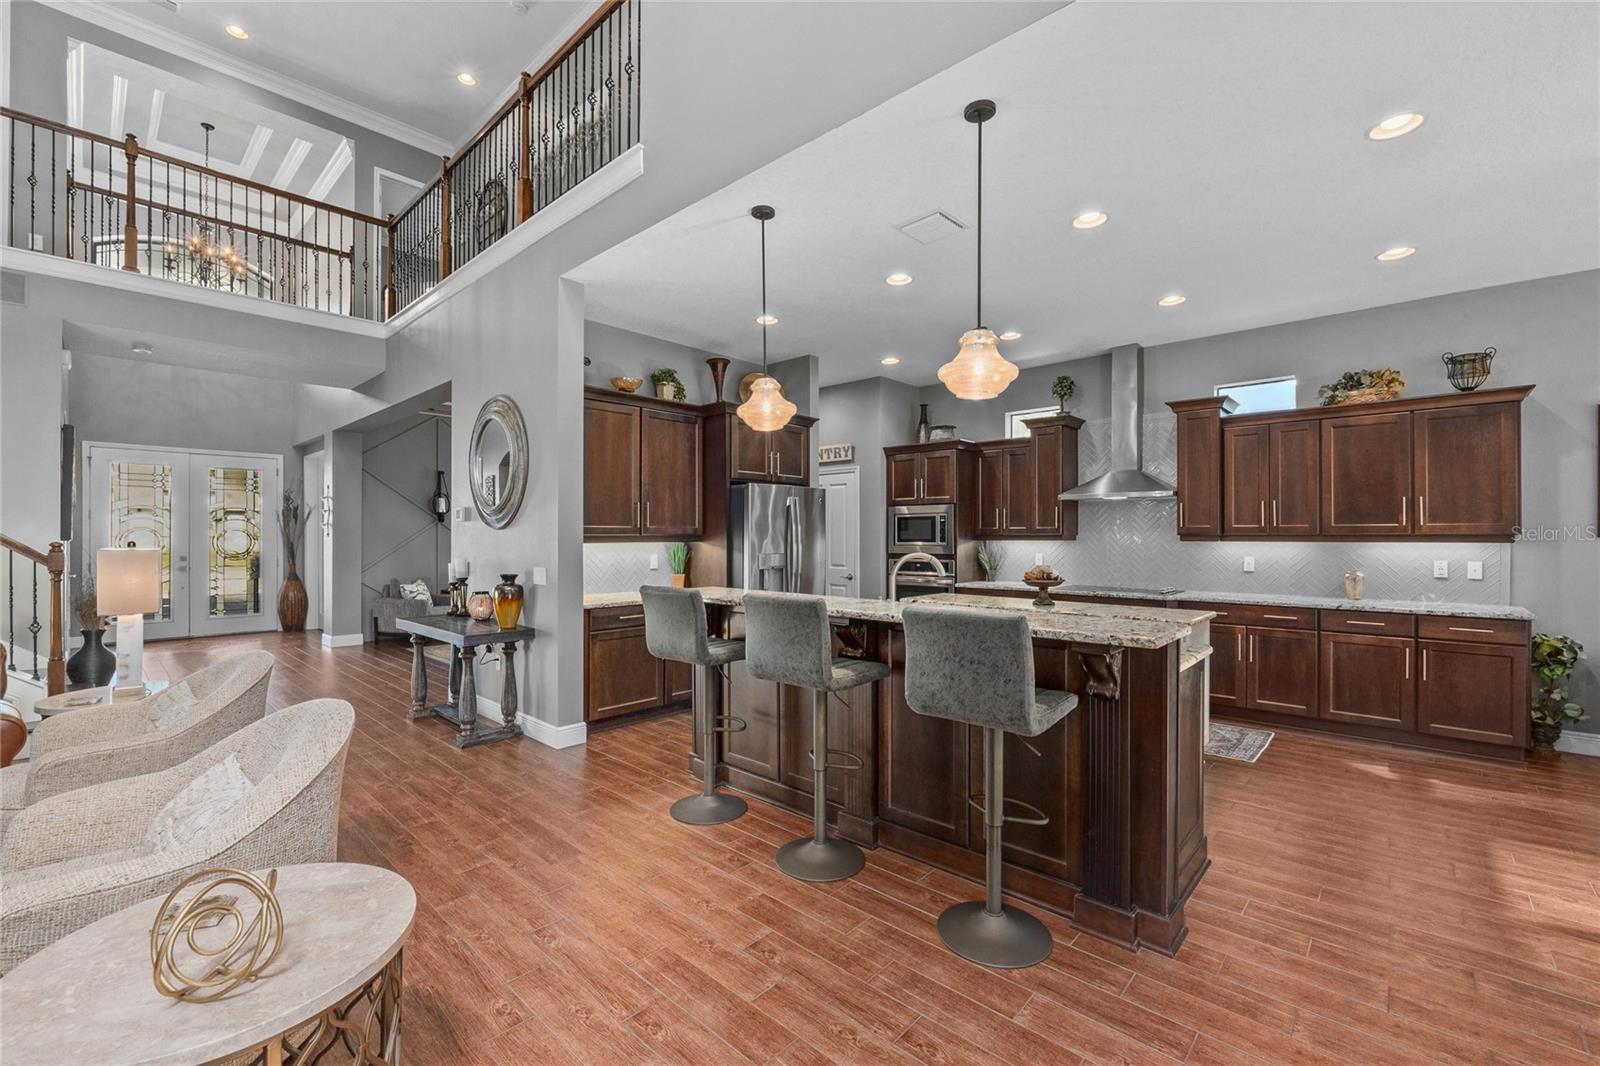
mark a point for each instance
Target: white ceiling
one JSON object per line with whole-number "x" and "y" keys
{"x": 1225, "y": 141}
{"x": 396, "y": 60}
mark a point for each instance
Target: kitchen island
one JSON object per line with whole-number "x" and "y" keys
{"x": 1119, "y": 778}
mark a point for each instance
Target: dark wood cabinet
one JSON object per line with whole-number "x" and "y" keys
{"x": 1016, "y": 511}
{"x": 1369, "y": 680}
{"x": 917, "y": 474}
{"x": 939, "y": 476}
{"x": 1020, "y": 481}
{"x": 1444, "y": 467}
{"x": 923, "y": 774}
{"x": 1466, "y": 468}
{"x": 751, "y": 455}
{"x": 669, "y": 473}
{"x": 784, "y": 455}
{"x": 904, "y": 478}
{"x": 641, "y": 470}
{"x": 679, "y": 681}
{"x": 1049, "y": 466}
{"x": 1281, "y": 665}
{"x": 611, "y": 468}
{"x": 991, "y": 489}
{"x": 620, "y": 676}
{"x": 755, "y": 748}
{"x": 1228, "y": 665}
{"x": 1476, "y": 692}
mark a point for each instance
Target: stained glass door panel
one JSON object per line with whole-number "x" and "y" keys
{"x": 236, "y": 542}
{"x": 141, "y": 495}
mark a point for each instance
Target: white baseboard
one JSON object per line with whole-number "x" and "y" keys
{"x": 1579, "y": 743}
{"x": 553, "y": 736}
{"x": 343, "y": 640}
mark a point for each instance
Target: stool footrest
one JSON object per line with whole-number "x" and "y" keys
{"x": 729, "y": 723}
{"x": 1035, "y": 815}
{"x": 840, "y": 760}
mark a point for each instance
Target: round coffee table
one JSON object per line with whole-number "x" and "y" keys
{"x": 89, "y": 999}
{"x": 87, "y": 697}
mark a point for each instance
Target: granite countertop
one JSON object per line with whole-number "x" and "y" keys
{"x": 1192, "y": 655}
{"x": 1266, "y": 599}
{"x": 1132, "y": 627}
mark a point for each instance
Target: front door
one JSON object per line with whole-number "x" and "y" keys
{"x": 213, "y": 515}
{"x": 842, "y": 506}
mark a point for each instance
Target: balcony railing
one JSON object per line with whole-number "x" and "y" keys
{"x": 84, "y": 196}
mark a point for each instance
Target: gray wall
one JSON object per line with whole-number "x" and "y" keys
{"x": 986, "y": 419}
{"x": 872, "y": 414}
{"x": 400, "y": 538}
{"x": 38, "y": 82}
{"x": 615, "y": 352}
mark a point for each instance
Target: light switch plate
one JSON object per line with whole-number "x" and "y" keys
{"x": 539, "y": 577}
{"x": 1441, "y": 568}
{"x": 1038, "y": 558}
{"x": 1249, "y": 564}
{"x": 655, "y": 561}
{"x": 1474, "y": 569}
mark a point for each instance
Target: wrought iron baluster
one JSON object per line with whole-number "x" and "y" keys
{"x": 34, "y": 626}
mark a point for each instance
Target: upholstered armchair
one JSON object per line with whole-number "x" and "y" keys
{"x": 391, "y": 605}
{"x": 76, "y": 857}
{"x": 89, "y": 745}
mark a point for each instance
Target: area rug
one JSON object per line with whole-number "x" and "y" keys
{"x": 1236, "y": 742}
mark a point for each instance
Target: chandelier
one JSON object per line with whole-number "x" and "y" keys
{"x": 211, "y": 262}
{"x": 979, "y": 371}
{"x": 767, "y": 408}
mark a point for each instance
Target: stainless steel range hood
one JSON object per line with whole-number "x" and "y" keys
{"x": 1127, "y": 480}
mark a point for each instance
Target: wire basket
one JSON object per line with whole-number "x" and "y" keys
{"x": 1469, "y": 369}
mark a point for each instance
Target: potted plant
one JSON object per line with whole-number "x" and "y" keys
{"x": 678, "y": 563}
{"x": 989, "y": 557}
{"x": 668, "y": 387}
{"x": 292, "y": 601}
{"x": 1062, "y": 389}
{"x": 91, "y": 664}
{"x": 1554, "y": 659}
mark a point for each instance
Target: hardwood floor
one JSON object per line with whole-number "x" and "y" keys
{"x": 565, "y": 918}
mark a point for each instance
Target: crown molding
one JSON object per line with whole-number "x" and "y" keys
{"x": 114, "y": 17}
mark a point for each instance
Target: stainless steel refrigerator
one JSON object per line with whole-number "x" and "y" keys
{"x": 776, "y": 538}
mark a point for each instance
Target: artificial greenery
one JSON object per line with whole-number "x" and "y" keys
{"x": 989, "y": 555}
{"x": 86, "y": 606}
{"x": 668, "y": 376}
{"x": 678, "y": 558}
{"x": 1063, "y": 387}
{"x": 1386, "y": 379}
{"x": 1554, "y": 659}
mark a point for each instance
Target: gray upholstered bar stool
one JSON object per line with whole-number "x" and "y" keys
{"x": 675, "y": 628}
{"x": 976, "y": 666}
{"x": 788, "y": 640}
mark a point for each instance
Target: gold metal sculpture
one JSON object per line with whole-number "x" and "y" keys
{"x": 248, "y": 949}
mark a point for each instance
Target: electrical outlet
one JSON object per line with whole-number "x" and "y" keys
{"x": 655, "y": 561}
{"x": 1441, "y": 568}
{"x": 1249, "y": 564}
{"x": 1038, "y": 558}
{"x": 1474, "y": 569}
{"x": 539, "y": 577}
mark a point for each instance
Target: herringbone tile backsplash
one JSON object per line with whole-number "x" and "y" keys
{"x": 623, "y": 567}
{"x": 1136, "y": 545}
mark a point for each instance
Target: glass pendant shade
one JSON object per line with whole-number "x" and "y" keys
{"x": 979, "y": 371}
{"x": 767, "y": 408}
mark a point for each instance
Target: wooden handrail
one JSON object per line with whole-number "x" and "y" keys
{"x": 60, "y": 127}
{"x": 55, "y": 561}
{"x": 10, "y": 544}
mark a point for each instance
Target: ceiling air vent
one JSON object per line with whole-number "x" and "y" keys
{"x": 13, "y": 287}
{"x": 931, "y": 227}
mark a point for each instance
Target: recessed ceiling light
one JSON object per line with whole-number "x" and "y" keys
{"x": 466, "y": 78}
{"x": 1171, "y": 301}
{"x": 898, "y": 278}
{"x": 766, "y": 320}
{"x": 890, "y": 360}
{"x": 1011, "y": 335}
{"x": 237, "y": 32}
{"x": 1395, "y": 126}
{"x": 1089, "y": 219}
{"x": 1389, "y": 255}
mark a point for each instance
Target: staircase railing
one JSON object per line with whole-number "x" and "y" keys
{"x": 114, "y": 203}
{"x": 54, "y": 563}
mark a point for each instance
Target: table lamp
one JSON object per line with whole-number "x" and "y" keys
{"x": 128, "y": 584}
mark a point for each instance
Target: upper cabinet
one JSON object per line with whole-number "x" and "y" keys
{"x": 1020, "y": 482}
{"x": 920, "y": 474}
{"x": 1437, "y": 467}
{"x": 783, "y": 455}
{"x": 641, "y": 469}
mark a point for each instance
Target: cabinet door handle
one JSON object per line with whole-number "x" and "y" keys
{"x": 1283, "y": 617}
{"x": 629, "y": 617}
{"x": 635, "y": 512}
{"x": 997, "y": 518}
{"x": 647, "y": 514}
{"x": 777, "y": 463}
{"x": 1238, "y": 650}
{"x": 1469, "y": 629}
{"x": 1422, "y": 510}
{"x": 1252, "y": 647}
{"x": 1263, "y": 514}
{"x": 1376, "y": 625}
{"x": 1056, "y": 521}
{"x": 1408, "y": 662}
{"x": 1180, "y": 514}
{"x": 1403, "y": 501}
{"x": 1424, "y": 664}
{"x": 1274, "y": 513}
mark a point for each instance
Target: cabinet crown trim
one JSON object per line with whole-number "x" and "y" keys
{"x": 1513, "y": 393}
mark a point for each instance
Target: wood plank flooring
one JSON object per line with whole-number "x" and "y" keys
{"x": 1366, "y": 904}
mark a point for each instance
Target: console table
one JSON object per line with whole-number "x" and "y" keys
{"x": 465, "y": 636}
{"x": 89, "y": 997}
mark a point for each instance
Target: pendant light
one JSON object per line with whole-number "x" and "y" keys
{"x": 767, "y": 409}
{"x": 979, "y": 371}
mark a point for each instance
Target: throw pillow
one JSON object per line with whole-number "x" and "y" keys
{"x": 416, "y": 590}
{"x": 220, "y": 788}
{"x": 169, "y": 706}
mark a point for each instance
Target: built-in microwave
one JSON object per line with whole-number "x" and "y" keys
{"x": 927, "y": 528}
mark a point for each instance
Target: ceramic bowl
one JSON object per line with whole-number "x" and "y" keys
{"x": 626, "y": 384}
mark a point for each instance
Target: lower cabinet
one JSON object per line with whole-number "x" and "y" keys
{"x": 1368, "y": 680}
{"x": 620, "y": 676}
{"x": 1228, "y": 665}
{"x": 1474, "y": 692}
{"x": 1281, "y": 665}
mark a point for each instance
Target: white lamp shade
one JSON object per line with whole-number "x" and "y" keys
{"x": 767, "y": 408}
{"x": 979, "y": 371}
{"x": 128, "y": 580}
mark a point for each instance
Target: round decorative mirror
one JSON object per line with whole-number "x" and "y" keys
{"x": 498, "y": 461}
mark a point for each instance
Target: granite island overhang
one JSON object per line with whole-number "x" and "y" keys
{"x": 1120, "y": 778}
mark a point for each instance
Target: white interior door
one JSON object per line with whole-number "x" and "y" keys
{"x": 842, "y": 506}
{"x": 213, "y": 515}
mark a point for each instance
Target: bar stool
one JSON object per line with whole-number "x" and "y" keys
{"x": 976, "y": 666}
{"x": 675, "y": 628}
{"x": 788, "y": 640}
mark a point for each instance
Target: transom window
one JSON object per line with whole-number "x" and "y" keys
{"x": 1016, "y": 421}
{"x": 1268, "y": 394}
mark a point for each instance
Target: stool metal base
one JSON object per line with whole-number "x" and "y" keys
{"x": 831, "y": 860}
{"x": 1009, "y": 940}
{"x": 713, "y": 809}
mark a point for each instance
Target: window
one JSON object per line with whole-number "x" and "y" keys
{"x": 1272, "y": 394}
{"x": 1015, "y": 420}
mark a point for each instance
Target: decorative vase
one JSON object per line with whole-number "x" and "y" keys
{"x": 292, "y": 603}
{"x": 678, "y": 580}
{"x": 92, "y": 664}
{"x": 1545, "y": 734}
{"x": 922, "y": 425}
{"x": 1355, "y": 584}
{"x": 480, "y": 606}
{"x": 665, "y": 391}
{"x": 508, "y": 602}
{"x": 719, "y": 370}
